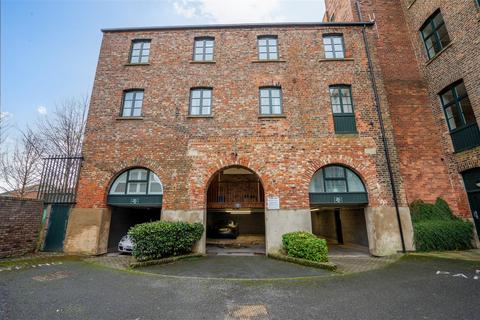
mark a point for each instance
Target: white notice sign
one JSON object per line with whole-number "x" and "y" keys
{"x": 273, "y": 203}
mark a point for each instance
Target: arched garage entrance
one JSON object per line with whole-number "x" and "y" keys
{"x": 235, "y": 212}
{"x": 134, "y": 197}
{"x": 337, "y": 201}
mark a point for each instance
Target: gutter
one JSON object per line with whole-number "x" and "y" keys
{"x": 382, "y": 127}
{"x": 242, "y": 26}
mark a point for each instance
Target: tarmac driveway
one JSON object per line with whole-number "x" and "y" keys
{"x": 412, "y": 288}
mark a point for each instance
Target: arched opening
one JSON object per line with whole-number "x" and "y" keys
{"x": 338, "y": 199}
{"x": 134, "y": 197}
{"x": 235, "y": 212}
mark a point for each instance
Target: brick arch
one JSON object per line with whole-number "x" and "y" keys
{"x": 357, "y": 166}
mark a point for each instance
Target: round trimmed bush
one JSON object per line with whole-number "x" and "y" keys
{"x": 305, "y": 245}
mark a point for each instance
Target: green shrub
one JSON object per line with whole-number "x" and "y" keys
{"x": 439, "y": 235}
{"x": 421, "y": 211}
{"x": 305, "y": 245}
{"x": 159, "y": 239}
{"x": 436, "y": 228}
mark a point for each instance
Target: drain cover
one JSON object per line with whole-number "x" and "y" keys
{"x": 247, "y": 312}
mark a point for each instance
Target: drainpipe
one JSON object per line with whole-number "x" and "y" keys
{"x": 382, "y": 127}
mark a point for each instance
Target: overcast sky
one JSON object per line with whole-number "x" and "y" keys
{"x": 49, "y": 49}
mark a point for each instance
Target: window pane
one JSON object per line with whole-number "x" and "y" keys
{"x": 138, "y": 174}
{"x": 209, "y": 43}
{"x": 119, "y": 188}
{"x": 195, "y": 93}
{"x": 137, "y": 112}
{"x": 273, "y": 49}
{"x": 126, "y": 112}
{"x": 460, "y": 90}
{"x": 264, "y": 101}
{"x": 275, "y": 93}
{"x": 276, "y": 101}
{"x": 198, "y": 57}
{"x": 155, "y": 184}
{"x": 195, "y": 111}
{"x": 338, "y": 47}
{"x": 262, "y": 49}
{"x": 265, "y": 110}
{"x": 198, "y": 50}
{"x": 336, "y": 108}
{"x": 207, "y": 102}
{"x": 277, "y": 109}
{"x": 337, "y": 40}
{"x": 456, "y": 120}
{"x": 427, "y": 30}
{"x": 137, "y": 45}
{"x": 262, "y": 56}
{"x": 138, "y": 95}
{"x": 206, "y": 110}
{"x": 336, "y": 185}
{"x": 138, "y": 104}
{"x": 209, "y": 57}
{"x": 346, "y": 100}
{"x": 272, "y": 41}
{"x": 207, "y": 93}
{"x": 327, "y": 40}
{"x": 347, "y": 108}
{"x": 329, "y": 54}
{"x": 264, "y": 93}
{"x": 317, "y": 182}
{"x": 144, "y": 59}
{"x": 334, "y": 172}
{"x": 209, "y": 50}
{"x": 354, "y": 182}
{"x": 467, "y": 110}
{"x": 438, "y": 20}
{"x": 129, "y": 95}
{"x": 146, "y": 45}
{"x": 339, "y": 55}
{"x": 443, "y": 35}
{"x": 195, "y": 102}
{"x": 448, "y": 97}
{"x": 273, "y": 55}
{"x": 198, "y": 43}
{"x": 262, "y": 42}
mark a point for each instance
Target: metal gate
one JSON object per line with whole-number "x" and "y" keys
{"x": 58, "y": 188}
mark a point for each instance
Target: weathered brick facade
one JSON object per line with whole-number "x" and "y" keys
{"x": 20, "y": 227}
{"x": 413, "y": 83}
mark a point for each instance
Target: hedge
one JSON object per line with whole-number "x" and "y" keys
{"x": 305, "y": 245}
{"x": 160, "y": 239}
{"x": 436, "y": 228}
{"x": 439, "y": 235}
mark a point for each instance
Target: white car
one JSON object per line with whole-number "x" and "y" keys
{"x": 125, "y": 245}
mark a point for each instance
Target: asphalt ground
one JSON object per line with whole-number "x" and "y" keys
{"x": 412, "y": 288}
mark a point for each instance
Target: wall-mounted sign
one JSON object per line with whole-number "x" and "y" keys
{"x": 273, "y": 203}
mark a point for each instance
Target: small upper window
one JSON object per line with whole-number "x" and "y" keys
{"x": 336, "y": 179}
{"x": 203, "y": 50}
{"x": 200, "y": 102}
{"x": 140, "y": 51}
{"x": 267, "y": 47}
{"x": 434, "y": 34}
{"x": 271, "y": 101}
{"x": 333, "y": 47}
{"x": 132, "y": 103}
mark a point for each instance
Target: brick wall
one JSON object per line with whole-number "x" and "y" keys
{"x": 419, "y": 137}
{"x": 461, "y": 60}
{"x": 20, "y": 227}
{"x": 185, "y": 152}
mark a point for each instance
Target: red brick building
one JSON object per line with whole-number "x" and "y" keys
{"x": 325, "y": 127}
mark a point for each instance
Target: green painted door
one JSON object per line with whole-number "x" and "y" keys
{"x": 471, "y": 178}
{"x": 474, "y": 199}
{"x": 57, "y": 225}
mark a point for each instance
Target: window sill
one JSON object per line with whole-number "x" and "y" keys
{"x": 260, "y": 61}
{"x": 336, "y": 59}
{"x": 136, "y": 64}
{"x": 202, "y": 62}
{"x": 438, "y": 54}
{"x": 129, "y": 118}
{"x": 200, "y": 116}
{"x": 271, "y": 116}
